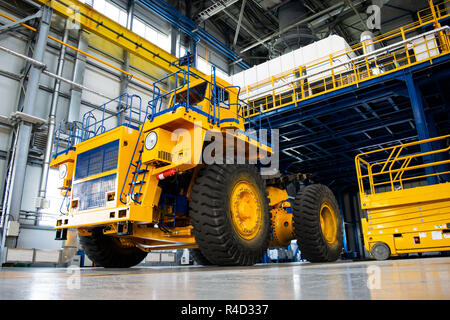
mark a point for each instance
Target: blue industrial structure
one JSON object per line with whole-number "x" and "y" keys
{"x": 322, "y": 135}
{"x": 191, "y": 29}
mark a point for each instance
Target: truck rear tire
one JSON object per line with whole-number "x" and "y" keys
{"x": 317, "y": 224}
{"x": 108, "y": 252}
{"x": 230, "y": 214}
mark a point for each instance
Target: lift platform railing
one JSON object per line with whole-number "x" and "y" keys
{"x": 123, "y": 110}
{"x": 406, "y": 165}
{"x": 399, "y": 49}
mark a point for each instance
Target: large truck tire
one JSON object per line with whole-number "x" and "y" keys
{"x": 108, "y": 252}
{"x": 230, "y": 214}
{"x": 317, "y": 224}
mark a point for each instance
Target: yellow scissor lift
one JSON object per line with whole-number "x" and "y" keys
{"x": 405, "y": 198}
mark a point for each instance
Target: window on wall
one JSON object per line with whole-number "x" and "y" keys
{"x": 110, "y": 10}
{"x": 146, "y": 31}
{"x": 143, "y": 29}
{"x": 181, "y": 52}
{"x": 88, "y": 2}
{"x": 205, "y": 67}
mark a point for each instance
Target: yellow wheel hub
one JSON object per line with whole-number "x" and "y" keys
{"x": 328, "y": 223}
{"x": 245, "y": 210}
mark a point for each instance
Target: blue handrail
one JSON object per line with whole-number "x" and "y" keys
{"x": 215, "y": 98}
{"x": 90, "y": 127}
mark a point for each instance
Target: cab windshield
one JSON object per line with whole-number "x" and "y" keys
{"x": 196, "y": 94}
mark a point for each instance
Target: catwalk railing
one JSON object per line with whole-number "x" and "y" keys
{"x": 396, "y": 50}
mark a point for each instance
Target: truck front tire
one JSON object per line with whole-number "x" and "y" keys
{"x": 108, "y": 252}
{"x": 230, "y": 214}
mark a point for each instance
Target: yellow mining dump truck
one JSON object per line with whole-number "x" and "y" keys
{"x": 182, "y": 173}
{"x": 405, "y": 198}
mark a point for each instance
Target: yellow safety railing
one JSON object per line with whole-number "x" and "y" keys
{"x": 441, "y": 10}
{"x": 408, "y": 162}
{"x": 397, "y": 49}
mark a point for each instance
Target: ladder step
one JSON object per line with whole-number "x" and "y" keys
{"x": 135, "y": 196}
{"x": 140, "y": 171}
{"x": 137, "y": 182}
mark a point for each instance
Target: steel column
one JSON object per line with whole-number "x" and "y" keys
{"x": 124, "y": 79}
{"x": 17, "y": 181}
{"x": 341, "y": 211}
{"x": 78, "y": 77}
{"x": 52, "y": 122}
{"x": 420, "y": 119}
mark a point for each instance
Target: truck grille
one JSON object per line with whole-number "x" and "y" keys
{"x": 92, "y": 194}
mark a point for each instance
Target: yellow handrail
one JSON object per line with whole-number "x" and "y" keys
{"x": 389, "y": 167}
{"x": 338, "y": 76}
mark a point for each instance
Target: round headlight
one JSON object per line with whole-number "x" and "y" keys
{"x": 150, "y": 140}
{"x": 63, "y": 171}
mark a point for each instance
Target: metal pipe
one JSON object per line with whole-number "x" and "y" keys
{"x": 52, "y": 121}
{"x": 367, "y": 38}
{"x": 36, "y": 63}
{"x": 50, "y": 74}
{"x": 81, "y": 52}
{"x": 74, "y": 84}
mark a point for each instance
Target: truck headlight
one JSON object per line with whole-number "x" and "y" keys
{"x": 150, "y": 140}
{"x": 63, "y": 171}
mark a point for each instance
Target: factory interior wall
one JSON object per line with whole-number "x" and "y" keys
{"x": 100, "y": 78}
{"x": 103, "y": 79}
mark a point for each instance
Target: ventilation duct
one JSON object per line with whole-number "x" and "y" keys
{"x": 296, "y": 37}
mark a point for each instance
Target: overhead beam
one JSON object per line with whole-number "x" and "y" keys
{"x": 186, "y": 25}
{"x": 241, "y": 14}
{"x": 361, "y": 20}
{"x": 95, "y": 22}
{"x": 252, "y": 34}
{"x": 324, "y": 14}
{"x": 310, "y": 18}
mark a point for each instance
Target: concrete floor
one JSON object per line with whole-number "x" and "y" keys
{"x": 425, "y": 278}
